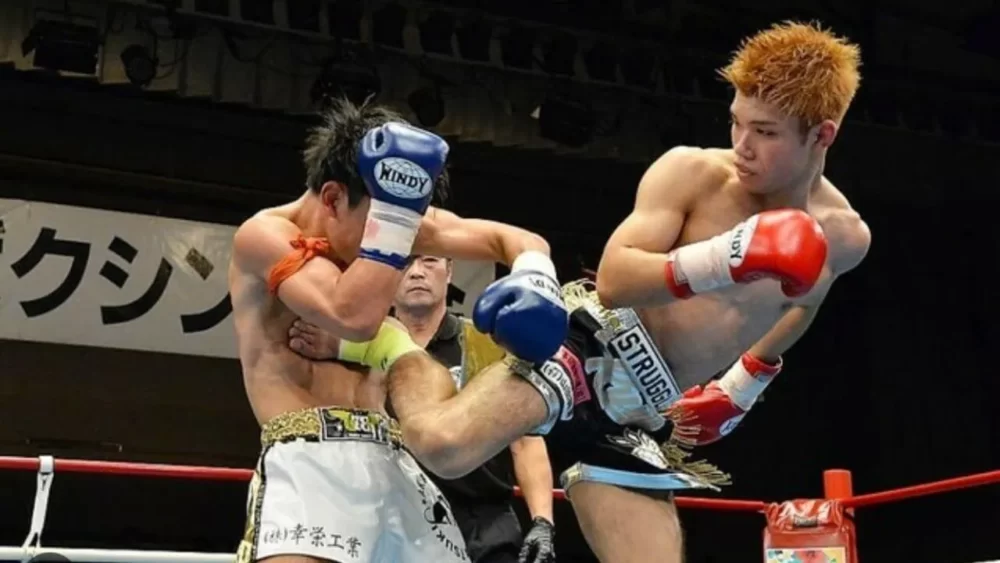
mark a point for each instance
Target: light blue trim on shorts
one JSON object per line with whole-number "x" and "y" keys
{"x": 667, "y": 481}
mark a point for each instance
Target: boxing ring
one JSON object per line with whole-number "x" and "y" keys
{"x": 825, "y": 523}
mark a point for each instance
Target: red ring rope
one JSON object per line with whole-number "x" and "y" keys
{"x": 231, "y": 474}
{"x": 131, "y": 468}
{"x": 925, "y": 489}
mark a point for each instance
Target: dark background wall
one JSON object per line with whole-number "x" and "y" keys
{"x": 896, "y": 381}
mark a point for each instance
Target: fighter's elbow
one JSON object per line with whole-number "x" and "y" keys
{"x": 537, "y": 242}
{"x": 508, "y": 247}
{"x": 608, "y": 289}
{"x": 360, "y": 330}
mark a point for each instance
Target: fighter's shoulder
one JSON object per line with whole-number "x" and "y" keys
{"x": 694, "y": 163}
{"x": 689, "y": 170}
{"x": 257, "y": 238}
{"x": 847, "y": 234}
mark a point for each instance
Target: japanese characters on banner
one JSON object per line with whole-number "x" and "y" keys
{"x": 91, "y": 277}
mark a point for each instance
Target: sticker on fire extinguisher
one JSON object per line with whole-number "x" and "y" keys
{"x": 806, "y": 555}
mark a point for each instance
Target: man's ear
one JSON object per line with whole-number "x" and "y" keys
{"x": 334, "y": 197}
{"x": 826, "y": 133}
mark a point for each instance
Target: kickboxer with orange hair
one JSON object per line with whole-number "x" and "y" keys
{"x": 720, "y": 268}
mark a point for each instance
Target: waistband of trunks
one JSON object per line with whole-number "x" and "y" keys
{"x": 331, "y": 424}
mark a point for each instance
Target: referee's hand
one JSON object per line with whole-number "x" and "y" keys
{"x": 539, "y": 544}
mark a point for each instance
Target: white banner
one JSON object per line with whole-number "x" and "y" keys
{"x": 468, "y": 280}
{"x": 84, "y": 276}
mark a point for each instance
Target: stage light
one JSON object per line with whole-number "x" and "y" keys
{"x": 140, "y": 66}
{"x": 428, "y": 104}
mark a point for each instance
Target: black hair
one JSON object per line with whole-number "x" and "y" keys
{"x": 331, "y": 151}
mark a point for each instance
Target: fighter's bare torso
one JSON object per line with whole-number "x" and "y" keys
{"x": 277, "y": 379}
{"x": 705, "y": 334}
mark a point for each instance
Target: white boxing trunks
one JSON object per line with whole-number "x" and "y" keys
{"x": 336, "y": 484}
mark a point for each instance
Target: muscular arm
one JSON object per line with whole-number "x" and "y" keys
{"x": 850, "y": 239}
{"x": 534, "y": 475}
{"x": 442, "y": 233}
{"x": 631, "y": 272}
{"x": 349, "y": 304}
{"x": 785, "y": 333}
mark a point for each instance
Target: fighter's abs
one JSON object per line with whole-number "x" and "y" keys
{"x": 703, "y": 335}
{"x": 279, "y": 380}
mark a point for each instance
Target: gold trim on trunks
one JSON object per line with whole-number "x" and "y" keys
{"x": 332, "y": 424}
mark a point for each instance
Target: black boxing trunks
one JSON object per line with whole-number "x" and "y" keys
{"x": 617, "y": 434}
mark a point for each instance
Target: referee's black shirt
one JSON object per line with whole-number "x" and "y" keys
{"x": 494, "y": 479}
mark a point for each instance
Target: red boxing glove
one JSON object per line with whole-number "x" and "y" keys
{"x": 704, "y": 416}
{"x": 783, "y": 244}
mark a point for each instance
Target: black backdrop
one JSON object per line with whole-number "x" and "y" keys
{"x": 895, "y": 381}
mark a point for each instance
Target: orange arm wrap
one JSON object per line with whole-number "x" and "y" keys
{"x": 303, "y": 251}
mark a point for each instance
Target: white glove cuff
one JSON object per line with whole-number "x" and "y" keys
{"x": 536, "y": 261}
{"x": 742, "y": 386}
{"x": 391, "y": 229}
{"x": 704, "y": 265}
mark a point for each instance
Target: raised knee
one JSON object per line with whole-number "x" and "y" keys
{"x": 436, "y": 446}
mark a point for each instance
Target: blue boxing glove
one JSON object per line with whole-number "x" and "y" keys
{"x": 524, "y": 311}
{"x": 399, "y": 165}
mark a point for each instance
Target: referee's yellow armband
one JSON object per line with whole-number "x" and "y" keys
{"x": 390, "y": 343}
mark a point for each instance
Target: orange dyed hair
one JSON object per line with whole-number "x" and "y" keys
{"x": 803, "y": 70}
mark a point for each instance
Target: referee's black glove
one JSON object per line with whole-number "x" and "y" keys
{"x": 539, "y": 544}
